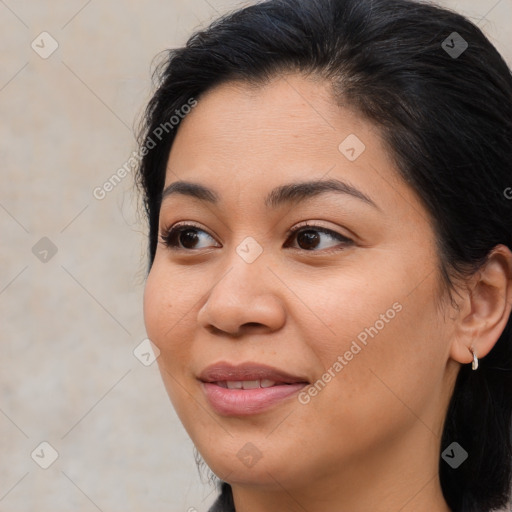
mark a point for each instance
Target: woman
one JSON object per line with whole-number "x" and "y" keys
{"x": 327, "y": 185}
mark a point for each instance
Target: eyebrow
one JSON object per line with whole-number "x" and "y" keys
{"x": 288, "y": 193}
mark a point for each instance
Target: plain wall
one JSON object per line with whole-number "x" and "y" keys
{"x": 69, "y": 325}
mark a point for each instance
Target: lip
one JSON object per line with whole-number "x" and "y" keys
{"x": 243, "y": 402}
{"x": 247, "y": 371}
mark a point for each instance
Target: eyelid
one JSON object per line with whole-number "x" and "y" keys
{"x": 315, "y": 226}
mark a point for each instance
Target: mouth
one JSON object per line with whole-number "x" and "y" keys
{"x": 250, "y": 384}
{"x": 246, "y": 389}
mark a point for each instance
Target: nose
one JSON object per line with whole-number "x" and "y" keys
{"x": 246, "y": 299}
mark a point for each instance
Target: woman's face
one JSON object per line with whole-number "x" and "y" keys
{"x": 347, "y": 308}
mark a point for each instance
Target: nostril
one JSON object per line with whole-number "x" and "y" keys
{"x": 252, "y": 324}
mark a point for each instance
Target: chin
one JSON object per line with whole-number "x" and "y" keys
{"x": 259, "y": 474}
{"x": 255, "y": 461}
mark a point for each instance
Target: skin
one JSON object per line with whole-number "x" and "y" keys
{"x": 370, "y": 439}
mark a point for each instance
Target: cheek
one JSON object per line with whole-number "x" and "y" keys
{"x": 165, "y": 310}
{"x": 156, "y": 304}
{"x": 165, "y": 318}
{"x": 352, "y": 312}
{"x": 377, "y": 337}
{"x": 392, "y": 362}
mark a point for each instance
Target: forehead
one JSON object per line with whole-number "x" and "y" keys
{"x": 242, "y": 137}
{"x": 288, "y": 113}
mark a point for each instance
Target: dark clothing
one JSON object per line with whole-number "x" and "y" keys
{"x": 224, "y": 502}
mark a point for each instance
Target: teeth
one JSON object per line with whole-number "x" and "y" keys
{"x": 246, "y": 384}
{"x": 250, "y": 384}
{"x": 234, "y": 384}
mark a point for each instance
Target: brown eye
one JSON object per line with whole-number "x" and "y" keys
{"x": 310, "y": 237}
{"x": 185, "y": 236}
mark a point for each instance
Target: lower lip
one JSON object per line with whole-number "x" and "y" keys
{"x": 243, "y": 402}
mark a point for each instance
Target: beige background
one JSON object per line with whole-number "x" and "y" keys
{"x": 68, "y": 374}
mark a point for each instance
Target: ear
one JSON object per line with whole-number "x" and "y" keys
{"x": 485, "y": 307}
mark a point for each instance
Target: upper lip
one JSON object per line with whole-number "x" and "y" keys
{"x": 219, "y": 372}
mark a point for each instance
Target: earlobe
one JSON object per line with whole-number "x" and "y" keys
{"x": 485, "y": 309}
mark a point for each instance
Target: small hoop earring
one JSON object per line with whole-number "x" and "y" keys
{"x": 474, "y": 364}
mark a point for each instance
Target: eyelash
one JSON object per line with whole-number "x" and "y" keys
{"x": 169, "y": 235}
